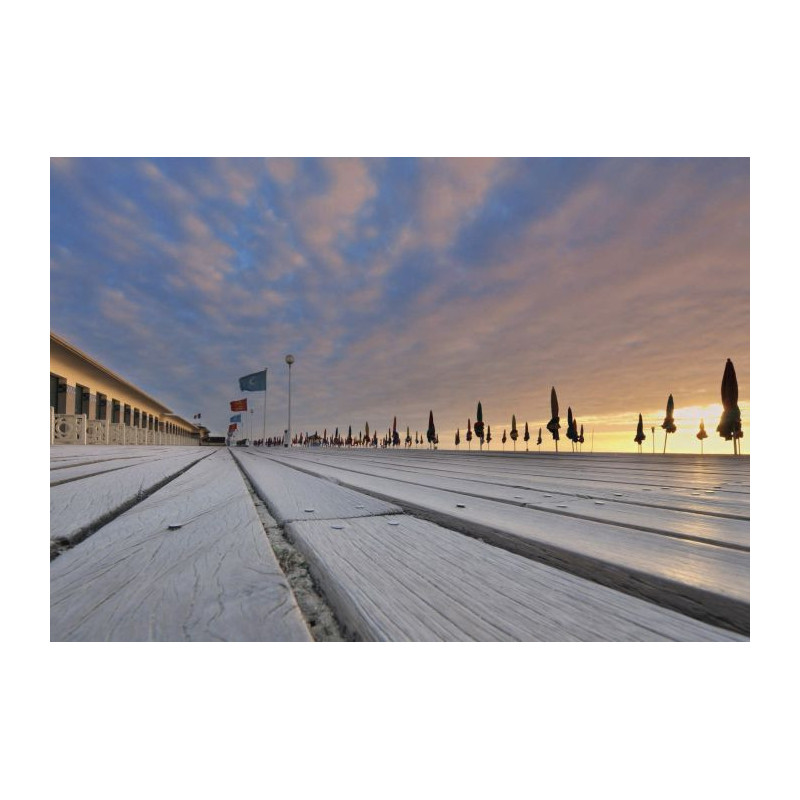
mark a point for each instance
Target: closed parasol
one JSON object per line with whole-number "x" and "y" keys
{"x": 479, "y": 424}
{"x": 701, "y": 434}
{"x": 730, "y": 423}
{"x": 553, "y": 425}
{"x": 640, "y": 437}
{"x": 669, "y": 421}
{"x": 572, "y": 433}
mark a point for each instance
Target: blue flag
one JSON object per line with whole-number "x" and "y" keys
{"x": 236, "y": 418}
{"x": 257, "y": 382}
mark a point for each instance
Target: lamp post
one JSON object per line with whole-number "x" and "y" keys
{"x": 289, "y": 361}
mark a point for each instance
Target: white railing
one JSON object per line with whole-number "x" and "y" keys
{"x": 96, "y": 431}
{"x": 78, "y": 429}
{"x": 116, "y": 433}
{"x": 68, "y": 429}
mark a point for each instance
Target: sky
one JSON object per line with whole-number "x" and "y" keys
{"x": 403, "y": 286}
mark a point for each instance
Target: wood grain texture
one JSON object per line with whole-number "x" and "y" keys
{"x": 292, "y": 495}
{"x": 404, "y": 579}
{"x": 577, "y": 476}
{"x": 62, "y": 473}
{"x": 213, "y": 578}
{"x": 701, "y": 527}
{"x": 704, "y": 581}
{"x": 80, "y": 506}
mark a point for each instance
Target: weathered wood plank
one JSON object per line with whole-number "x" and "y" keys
{"x": 550, "y": 476}
{"x": 78, "y": 507}
{"x": 292, "y": 495}
{"x": 64, "y": 473}
{"x": 404, "y": 579}
{"x": 74, "y": 454}
{"x": 704, "y": 581}
{"x": 214, "y": 578}
{"x": 687, "y": 525}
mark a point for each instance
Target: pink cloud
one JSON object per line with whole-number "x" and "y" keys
{"x": 453, "y": 189}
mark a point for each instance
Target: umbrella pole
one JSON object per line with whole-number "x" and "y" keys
{"x": 665, "y": 442}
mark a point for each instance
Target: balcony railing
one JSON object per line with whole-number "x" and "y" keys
{"x": 78, "y": 429}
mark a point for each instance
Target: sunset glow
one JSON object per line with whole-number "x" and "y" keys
{"x": 409, "y": 285}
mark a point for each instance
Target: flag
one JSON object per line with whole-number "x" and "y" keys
{"x": 236, "y": 418}
{"x": 239, "y": 405}
{"x": 257, "y": 382}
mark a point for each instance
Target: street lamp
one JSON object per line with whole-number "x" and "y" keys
{"x": 289, "y": 361}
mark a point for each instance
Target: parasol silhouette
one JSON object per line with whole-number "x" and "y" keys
{"x": 701, "y": 434}
{"x": 669, "y": 421}
{"x": 640, "y": 437}
{"x": 730, "y": 423}
{"x": 572, "y": 434}
{"x": 553, "y": 425}
{"x": 479, "y": 424}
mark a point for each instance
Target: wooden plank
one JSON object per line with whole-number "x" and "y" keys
{"x": 79, "y": 507}
{"x": 79, "y": 454}
{"x": 403, "y": 579}
{"x": 649, "y": 470}
{"x": 687, "y": 525}
{"x": 704, "y": 581}
{"x": 214, "y": 578}
{"x": 560, "y": 480}
{"x": 63, "y": 474}
{"x": 292, "y": 495}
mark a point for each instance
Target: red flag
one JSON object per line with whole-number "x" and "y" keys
{"x": 239, "y": 405}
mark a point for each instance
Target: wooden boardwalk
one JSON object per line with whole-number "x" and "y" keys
{"x": 165, "y": 544}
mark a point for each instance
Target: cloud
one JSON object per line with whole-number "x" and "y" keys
{"x": 452, "y": 191}
{"x": 328, "y": 218}
{"x": 282, "y": 169}
{"x": 402, "y": 286}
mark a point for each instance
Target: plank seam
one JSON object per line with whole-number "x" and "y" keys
{"x": 61, "y": 544}
{"x": 736, "y": 615}
{"x": 317, "y": 613}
